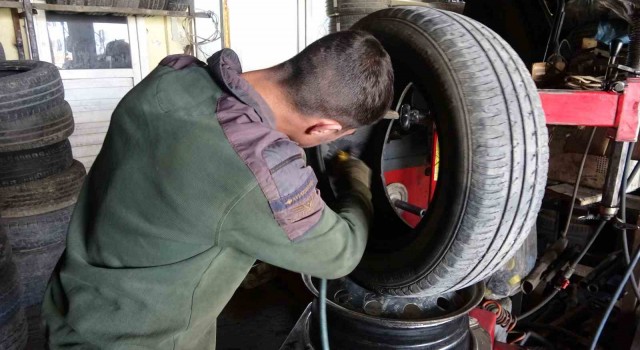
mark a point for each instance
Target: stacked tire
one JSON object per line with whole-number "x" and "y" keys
{"x": 13, "y": 326}
{"x": 39, "y": 179}
{"x": 343, "y": 14}
{"x": 177, "y": 5}
{"x": 100, "y": 3}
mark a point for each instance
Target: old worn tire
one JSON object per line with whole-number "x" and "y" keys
{"x": 493, "y": 155}
{"x": 37, "y": 242}
{"x": 27, "y": 87}
{"x": 36, "y": 129}
{"x": 177, "y": 5}
{"x": 152, "y": 4}
{"x": 340, "y": 23}
{"x": 30, "y": 165}
{"x": 355, "y": 7}
{"x": 99, "y": 3}
{"x": 42, "y": 196}
{"x": 13, "y": 327}
{"x": 126, "y": 4}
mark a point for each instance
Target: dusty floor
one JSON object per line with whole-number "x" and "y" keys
{"x": 261, "y": 318}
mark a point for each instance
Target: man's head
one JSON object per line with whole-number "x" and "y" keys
{"x": 339, "y": 83}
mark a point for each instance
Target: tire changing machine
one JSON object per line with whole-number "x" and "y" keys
{"x": 359, "y": 319}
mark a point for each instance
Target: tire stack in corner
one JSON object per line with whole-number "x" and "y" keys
{"x": 39, "y": 179}
{"x": 13, "y": 325}
{"x": 345, "y": 13}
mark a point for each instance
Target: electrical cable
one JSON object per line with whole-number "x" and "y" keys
{"x": 577, "y": 185}
{"x": 623, "y": 218}
{"x": 634, "y": 172}
{"x": 189, "y": 22}
{"x": 614, "y": 299}
{"x": 402, "y": 96}
{"x": 567, "y": 274}
{"x": 575, "y": 263}
{"x": 566, "y": 230}
{"x": 540, "y": 305}
{"x": 324, "y": 333}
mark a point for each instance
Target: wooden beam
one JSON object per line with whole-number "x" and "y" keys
{"x": 17, "y": 29}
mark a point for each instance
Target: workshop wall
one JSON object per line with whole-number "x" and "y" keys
{"x": 165, "y": 36}
{"x": 265, "y": 33}
{"x": 7, "y": 35}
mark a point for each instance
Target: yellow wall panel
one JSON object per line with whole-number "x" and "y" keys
{"x": 7, "y": 36}
{"x": 165, "y": 36}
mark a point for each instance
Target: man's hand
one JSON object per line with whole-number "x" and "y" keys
{"x": 352, "y": 171}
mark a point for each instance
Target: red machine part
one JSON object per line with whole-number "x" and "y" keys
{"x": 595, "y": 108}
{"x": 487, "y": 321}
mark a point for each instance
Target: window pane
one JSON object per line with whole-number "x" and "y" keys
{"x": 89, "y": 42}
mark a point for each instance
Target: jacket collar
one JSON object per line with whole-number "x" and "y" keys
{"x": 226, "y": 69}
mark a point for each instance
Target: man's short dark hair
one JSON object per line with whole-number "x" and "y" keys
{"x": 345, "y": 76}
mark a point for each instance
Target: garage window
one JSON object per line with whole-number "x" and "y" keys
{"x": 89, "y": 42}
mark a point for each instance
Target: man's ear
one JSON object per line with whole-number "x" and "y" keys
{"x": 324, "y": 126}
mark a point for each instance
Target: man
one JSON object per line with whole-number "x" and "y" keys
{"x": 202, "y": 172}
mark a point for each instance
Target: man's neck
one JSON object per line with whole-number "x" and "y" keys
{"x": 267, "y": 86}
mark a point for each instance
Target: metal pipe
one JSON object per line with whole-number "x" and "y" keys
{"x": 409, "y": 208}
{"x": 613, "y": 180}
{"x": 533, "y": 279}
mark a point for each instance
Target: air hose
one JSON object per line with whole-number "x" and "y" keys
{"x": 324, "y": 333}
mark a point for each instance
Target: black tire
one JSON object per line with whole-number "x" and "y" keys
{"x": 177, "y": 5}
{"x": 457, "y": 7}
{"x": 2, "y": 55}
{"x": 99, "y": 3}
{"x": 152, "y": 4}
{"x": 493, "y": 155}
{"x": 28, "y": 87}
{"x": 37, "y": 242}
{"x": 127, "y": 3}
{"x": 102, "y": 3}
{"x": 35, "y": 326}
{"x": 42, "y": 196}
{"x": 30, "y": 165}
{"x": 37, "y": 129}
{"x": 340, "y": 23}
{"x": 13, "y": 327}
{"x": 67, "y": 2}
{"x": 355, "y": 7}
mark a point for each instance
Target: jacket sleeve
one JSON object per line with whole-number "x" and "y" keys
{"x": 330, "y": 249}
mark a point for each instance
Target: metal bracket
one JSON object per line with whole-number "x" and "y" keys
{"x": 621, "y": 225}
{"x": 624, "y": 68}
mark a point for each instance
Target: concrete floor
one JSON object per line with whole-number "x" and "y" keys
{"x": 261, "y": 318}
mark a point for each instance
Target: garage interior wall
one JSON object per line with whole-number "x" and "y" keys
{"x": 94, "y": 94}
{"x": 263, "y": 33}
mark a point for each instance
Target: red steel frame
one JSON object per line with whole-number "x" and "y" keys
{"x": 595, "y": 108}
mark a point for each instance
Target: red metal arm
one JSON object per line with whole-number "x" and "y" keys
{"x": 596, "y": 108}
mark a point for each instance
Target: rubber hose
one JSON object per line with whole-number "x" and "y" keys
{"x": 623, "y": 217}
{"x": 324, "y": 333}
{"x": 614, "y": 299}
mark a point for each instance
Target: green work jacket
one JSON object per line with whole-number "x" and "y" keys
{"x": 192, "y": 185}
